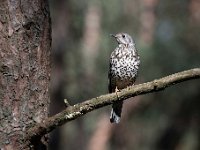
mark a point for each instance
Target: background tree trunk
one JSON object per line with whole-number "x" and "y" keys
{"x": 25, "y": 41}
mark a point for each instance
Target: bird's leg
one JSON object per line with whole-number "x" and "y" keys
{"x": 116, "y": 90}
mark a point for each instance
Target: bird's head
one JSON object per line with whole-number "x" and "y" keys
{"x": 123, "y": 38}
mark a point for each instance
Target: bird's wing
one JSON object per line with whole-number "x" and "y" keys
{"x": 111, "y": 81}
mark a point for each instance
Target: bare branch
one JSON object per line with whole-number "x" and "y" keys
{"x": 78, "y": 110}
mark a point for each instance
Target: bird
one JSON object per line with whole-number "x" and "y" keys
{"x": 123, "y": 70}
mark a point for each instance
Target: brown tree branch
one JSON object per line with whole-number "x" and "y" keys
{"x": 78, "y": 110}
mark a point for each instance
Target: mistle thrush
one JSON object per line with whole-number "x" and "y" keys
{"x": 124, "y": 64}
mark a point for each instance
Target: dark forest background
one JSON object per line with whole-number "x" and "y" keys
{"x": 167, "y": 35}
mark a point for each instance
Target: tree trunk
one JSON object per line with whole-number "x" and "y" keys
{"x": 25, "y": 42}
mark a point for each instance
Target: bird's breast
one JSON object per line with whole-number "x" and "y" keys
{"x": 124, "y": 64}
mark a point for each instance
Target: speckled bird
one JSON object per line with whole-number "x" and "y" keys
{"x": 123, "y": 70}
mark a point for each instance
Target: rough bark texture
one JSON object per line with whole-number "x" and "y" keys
{"x": 73, "y": 112}
{"x": 24, "y": 69}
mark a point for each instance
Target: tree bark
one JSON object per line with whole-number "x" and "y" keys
{"x": 25, "y": 42}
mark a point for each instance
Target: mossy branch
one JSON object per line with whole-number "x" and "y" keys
{"x": 80, "y": 109}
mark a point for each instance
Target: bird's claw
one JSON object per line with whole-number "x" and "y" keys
{"x": 116, "y": 92}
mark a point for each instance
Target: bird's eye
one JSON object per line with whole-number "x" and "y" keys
{"x": 123, "y": 35}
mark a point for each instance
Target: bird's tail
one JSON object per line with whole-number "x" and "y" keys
{"x": 116, "y": 112}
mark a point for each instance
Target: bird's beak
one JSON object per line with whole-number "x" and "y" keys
{"x": 113, "y": 35}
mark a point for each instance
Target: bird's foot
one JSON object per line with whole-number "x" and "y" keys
{"x": 116, "y": 91}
